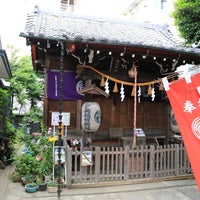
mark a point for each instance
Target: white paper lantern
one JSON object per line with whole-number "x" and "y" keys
{"x": 91, "y": 116}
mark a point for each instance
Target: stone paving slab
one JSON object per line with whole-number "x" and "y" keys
{"x": 164, "y": 190}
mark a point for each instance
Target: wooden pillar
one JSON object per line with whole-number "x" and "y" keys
{"x": 169, "y": 133}
{"x": 78, "y": 115}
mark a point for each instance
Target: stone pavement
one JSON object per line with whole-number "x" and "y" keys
{"x": 185, "y": 189}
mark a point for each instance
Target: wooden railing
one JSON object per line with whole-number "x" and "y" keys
{"x": 110, "y": 164}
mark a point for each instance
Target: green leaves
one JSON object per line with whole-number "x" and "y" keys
{"x": 25, "y": 83}
{"x": 28, "y": 163}
{"x": 187, "y": 19}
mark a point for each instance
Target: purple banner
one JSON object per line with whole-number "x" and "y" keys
{"x": 70, "y": 86}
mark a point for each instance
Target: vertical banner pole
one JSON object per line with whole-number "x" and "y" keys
{"x": 60, "y": 114}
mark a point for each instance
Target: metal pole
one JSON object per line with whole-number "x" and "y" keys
{"x": 60, "y": 115}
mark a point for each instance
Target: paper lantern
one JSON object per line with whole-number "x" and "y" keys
{"x": 91, "y": 117}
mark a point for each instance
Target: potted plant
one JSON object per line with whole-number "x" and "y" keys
{"x": 52, "y": 187}
{"x": 16, "y": 177}
{"x": 28, "y": 178}
{"x": 74, "y": 143}
{"x": 36, "y": 159}
{"x": 26, "y": 166}
{"x": 45, "y": 168}
{"x": 31, "y": 187}
{"x": 35, "y": 162}
{"x": 42, "y": 185}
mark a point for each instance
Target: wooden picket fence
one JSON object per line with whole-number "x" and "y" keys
{"x": 111, "y": 164}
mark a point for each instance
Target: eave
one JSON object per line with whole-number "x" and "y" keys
{"x": 5, "y": 71}
{"x": 138, "y": 51}
{"x": 93, "y": 90}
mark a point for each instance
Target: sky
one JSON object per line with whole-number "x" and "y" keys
{"x": 13, "y": 16}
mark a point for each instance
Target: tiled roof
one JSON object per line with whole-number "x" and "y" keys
{"x": 91, "y": 30}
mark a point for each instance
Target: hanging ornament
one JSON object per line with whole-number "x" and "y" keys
{"x": 131, "y": 73}
{"x": 122, "y": 92}
{"x": 153, "y": 94}
{"x": 102, "y": 84}
{"x": 145, "y": 84}
{"x": 107, "y": 87}
{"x": 149, "y": 90}
{"x": 161, "y": 86}
{"x": 91, "y": 56}
{"x": 139, "y": 94}
{"x": 133, "y": 91}
{"x": 115, "y": 89}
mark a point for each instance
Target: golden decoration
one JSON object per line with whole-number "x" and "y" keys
{"x": 115, "y": 89}
{"x": 102, "y": 84}
{"x": 149, "y": 90}
{"x": 133, "y": 91}
{"x": 117, "y": 80}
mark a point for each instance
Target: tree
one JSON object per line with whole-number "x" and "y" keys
{"x": 27, "y": 87}
{"x": 187, "y": 18}
{"x": 25, "y": 84}
{"x": 7, "y": 132}
{"x": 13, "y": 57}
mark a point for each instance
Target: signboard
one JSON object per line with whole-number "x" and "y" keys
{"x": 55, "y": 118}
{"x": 86, "y": 158}
{"x": 56, "y": 154}
{"x": 184, "y": 97}
{"x": 140, "y": 132}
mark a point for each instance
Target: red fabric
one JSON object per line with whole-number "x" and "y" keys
{"x": 185, "y": 101}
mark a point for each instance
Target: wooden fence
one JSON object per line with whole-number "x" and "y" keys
{"x": 111, "y": 164}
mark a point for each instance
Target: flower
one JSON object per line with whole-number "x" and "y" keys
{"x": 74, "y": 142}
{"x": 52, "y": 139}
{"x": 38, "y": 158}
{"x": 49, "y": 131}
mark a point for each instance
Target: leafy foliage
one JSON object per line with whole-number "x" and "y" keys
{"x": 13, "y": 56}
{"x": 187, "y": 19}
{"x": 4, "y": 98}
{"x": 37, "y": 160}
{"x": 25, "y": 83}
{"x": 9, "y": 129}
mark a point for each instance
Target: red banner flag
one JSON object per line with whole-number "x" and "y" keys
{"x": 184, "y": 97}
